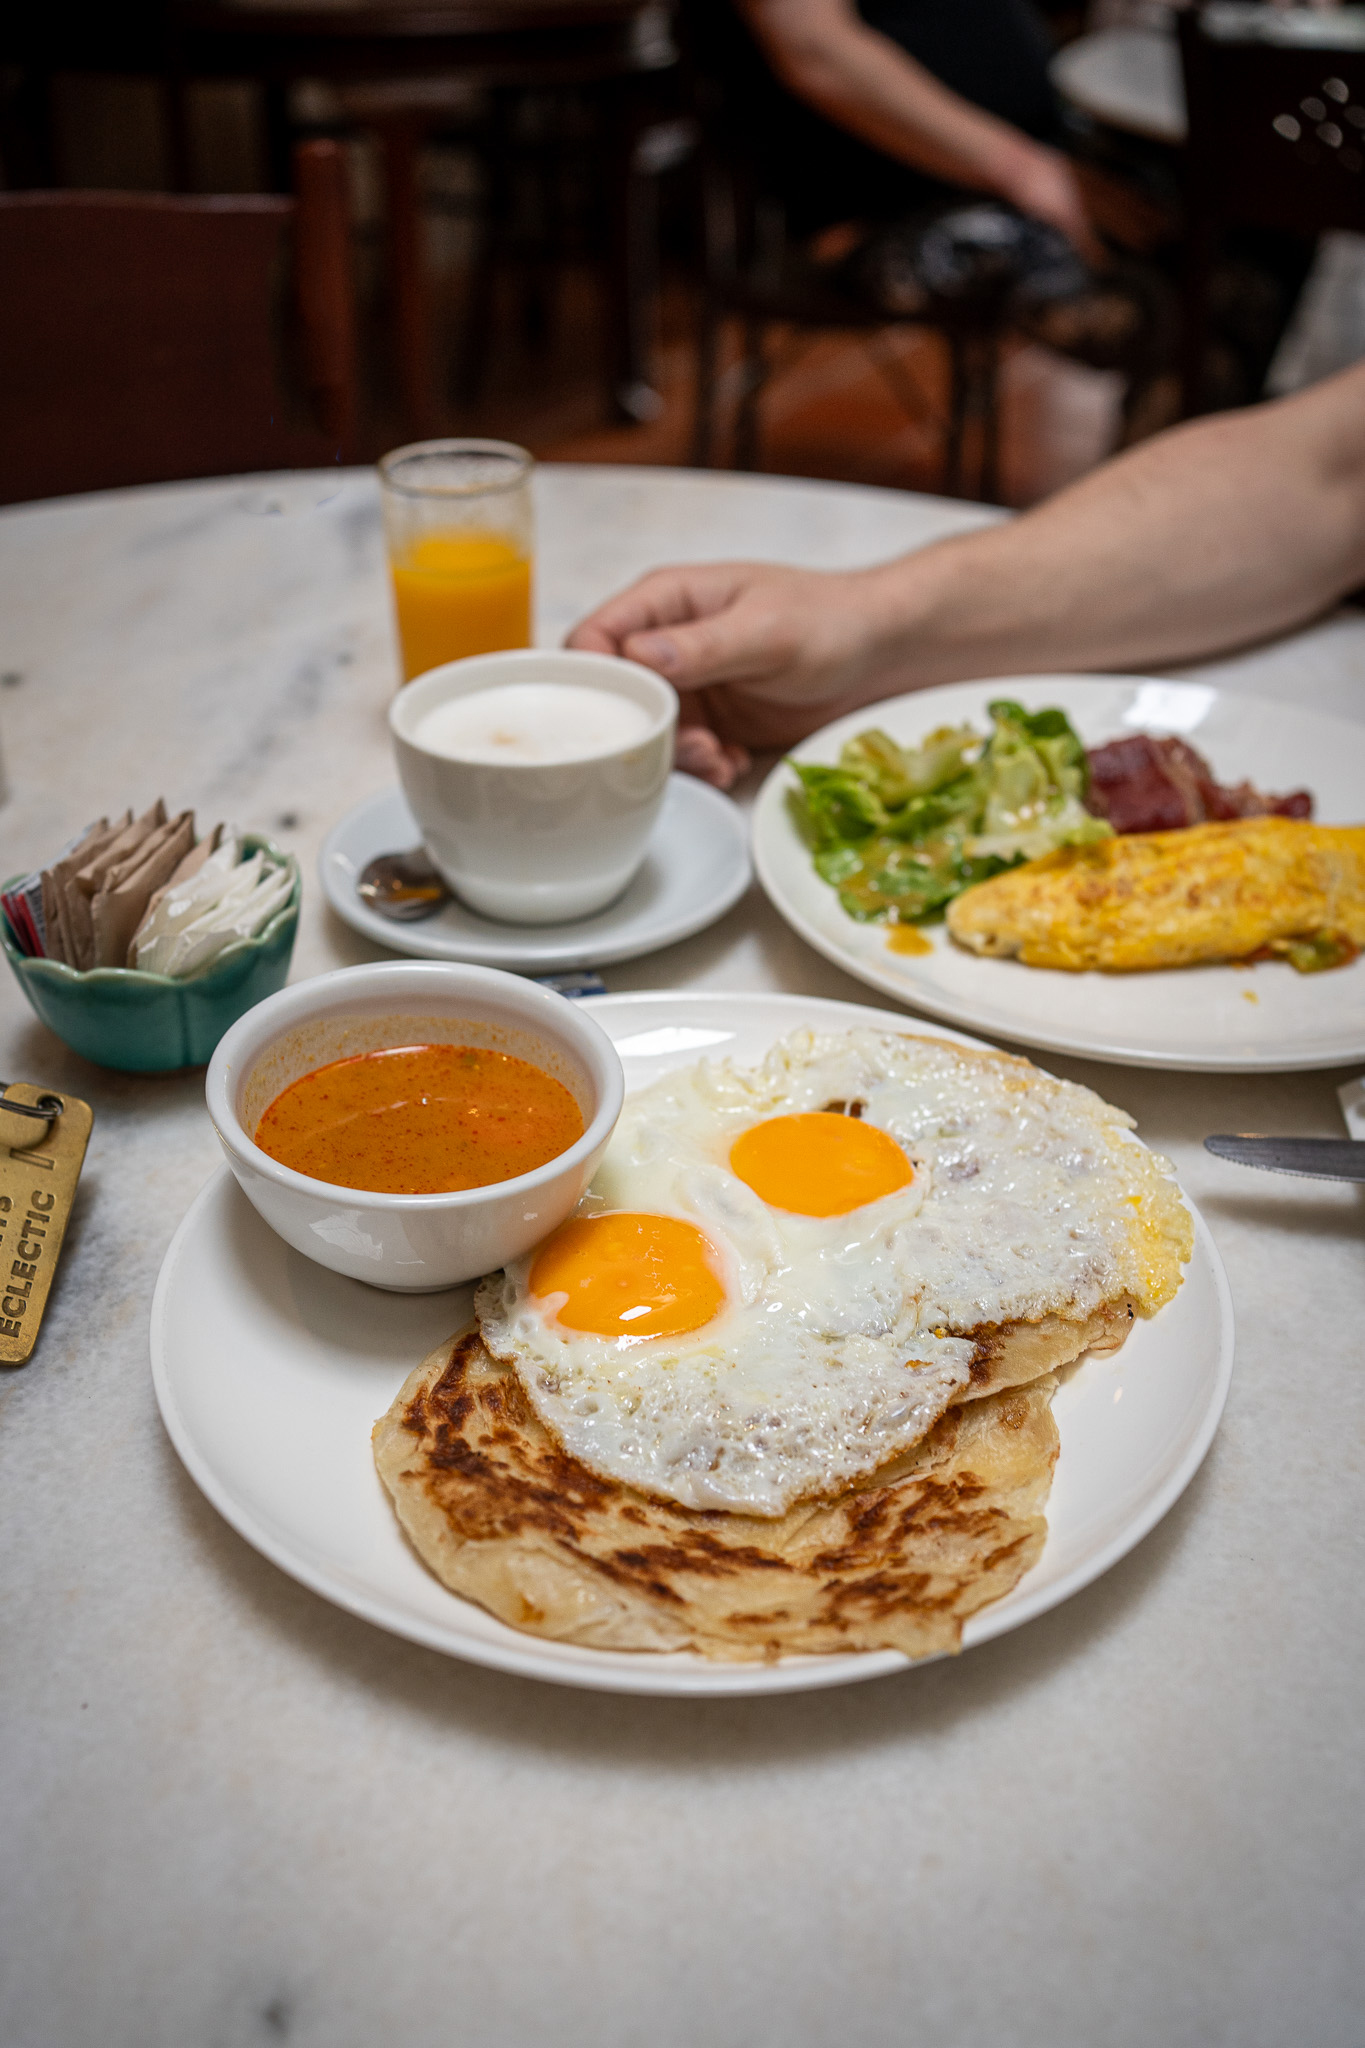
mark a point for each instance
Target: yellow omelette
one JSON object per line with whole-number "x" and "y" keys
{"x": 1168, "y": 899}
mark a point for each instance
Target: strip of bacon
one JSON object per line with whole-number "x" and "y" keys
{"x": 1142, "y": 784}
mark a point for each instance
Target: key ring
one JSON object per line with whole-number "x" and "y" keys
{"x": 45, "y": 1108}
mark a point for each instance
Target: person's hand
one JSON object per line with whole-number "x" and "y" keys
{"x": 761, "y": 654}
{"x": 1042, "y": 184}
{"x": 703, "y": 753}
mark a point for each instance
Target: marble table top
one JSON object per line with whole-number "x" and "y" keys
{"x": 230, "y": 1814}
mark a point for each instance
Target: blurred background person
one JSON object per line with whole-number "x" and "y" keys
{"x": 871, "y": 113}
{"x": 919, "y": 146}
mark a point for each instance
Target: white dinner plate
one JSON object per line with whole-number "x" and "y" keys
{"x": 271, "y": 1371}
{"x": 696, "y": 868}
{"x": 1264, "y": 1019}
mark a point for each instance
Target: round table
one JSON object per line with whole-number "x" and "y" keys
{"x": 1128, "y": 78}
{"x": 236, "y": 1814}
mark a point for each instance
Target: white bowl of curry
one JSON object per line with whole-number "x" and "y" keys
{"x": 414, "y": 1124}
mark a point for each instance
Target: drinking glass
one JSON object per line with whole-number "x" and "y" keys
{"x": 459, "y": 527}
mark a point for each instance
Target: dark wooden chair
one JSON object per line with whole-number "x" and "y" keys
{"x": 1276, "y": 141}
{"x": 594, "y": 125}
{"x": 147, "y": 337}
{"x": 754, "y": 271}
{"x": 404, "y": 69}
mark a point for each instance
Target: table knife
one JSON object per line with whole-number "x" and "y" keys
{"x": 1319, "y": 1158}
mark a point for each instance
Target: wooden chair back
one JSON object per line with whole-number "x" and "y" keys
{"x": 754, "y": 268}
{"x": 147, "y": 337}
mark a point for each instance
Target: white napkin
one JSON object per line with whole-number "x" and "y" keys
{"x": 1351, "y": 1096}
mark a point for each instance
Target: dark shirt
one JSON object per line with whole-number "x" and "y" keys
{"x": 993, "y": 52}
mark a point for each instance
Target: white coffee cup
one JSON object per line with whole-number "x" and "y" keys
{"x": 537, "y": 842}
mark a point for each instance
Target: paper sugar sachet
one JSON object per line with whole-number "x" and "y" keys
{"x": 23, "y": 906}
{"x": 186, "y": 896}
{"x": 142, "y": 893}
{"x": 121, "y": 905}
{"x": 196, "y": 919}
{"x": 58, "y": 943}
{"x": 35, "y": 906}
{"x": 80, "y": 888}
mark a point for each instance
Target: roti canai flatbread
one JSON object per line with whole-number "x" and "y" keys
{"x": 503, "y": 1516}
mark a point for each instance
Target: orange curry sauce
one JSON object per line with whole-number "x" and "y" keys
{"x": 420, "y": 1120}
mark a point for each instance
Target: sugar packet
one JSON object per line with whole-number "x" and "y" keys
{"x": 228, "y": 899}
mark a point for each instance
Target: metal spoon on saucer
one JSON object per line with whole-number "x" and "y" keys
{"x": 402, "y": 886}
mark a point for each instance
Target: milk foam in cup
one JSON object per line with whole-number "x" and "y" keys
{"x": 533, "y": 722}
{"x": 536, "y": 777}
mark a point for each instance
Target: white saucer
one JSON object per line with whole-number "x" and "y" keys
{"x": 696, "y": 868}
{"x": 271, "y": 1372}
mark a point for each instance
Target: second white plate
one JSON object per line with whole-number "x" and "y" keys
{"x": 271, "y": 1372}
{"x": 1224, "y": 1019}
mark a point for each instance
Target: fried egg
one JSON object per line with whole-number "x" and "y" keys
{"x": 770, "y": 1288}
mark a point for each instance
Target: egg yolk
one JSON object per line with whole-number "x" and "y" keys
{"x": 627, "y": 1275}
{"x": 819, "y": 1164}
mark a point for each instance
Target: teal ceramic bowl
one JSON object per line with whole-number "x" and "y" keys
{"x": 153, "y": 1023}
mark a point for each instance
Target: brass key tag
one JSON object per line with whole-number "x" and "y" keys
{"x": 43, "y": 1136}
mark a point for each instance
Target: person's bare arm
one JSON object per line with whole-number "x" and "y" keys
{"x": 864, "y": 82}
{"x": 1214, "y": 535}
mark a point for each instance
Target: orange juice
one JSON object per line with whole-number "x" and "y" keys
{"x": 460, "y": 593}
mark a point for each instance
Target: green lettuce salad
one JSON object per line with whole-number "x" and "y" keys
{"x": 899, "y": 831}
